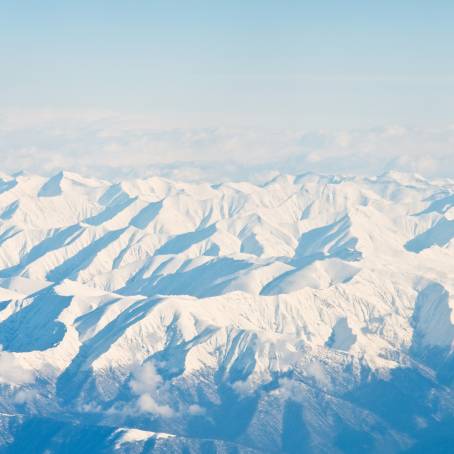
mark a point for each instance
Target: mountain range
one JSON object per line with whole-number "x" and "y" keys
{"x": 308, "y": 314}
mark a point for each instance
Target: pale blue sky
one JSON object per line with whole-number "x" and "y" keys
{"x": 318, "y": 64}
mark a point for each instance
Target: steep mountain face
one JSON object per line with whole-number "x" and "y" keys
{"x": 309, "y": 314}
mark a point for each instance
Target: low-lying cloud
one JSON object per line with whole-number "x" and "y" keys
{"x": 112, "y": 146}
{"x": 11, "y": 370}
{"x": 151, "y": 389}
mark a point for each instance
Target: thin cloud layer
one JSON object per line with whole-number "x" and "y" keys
{"x": 107, "y": 145}
{"x": 11, "y": 370}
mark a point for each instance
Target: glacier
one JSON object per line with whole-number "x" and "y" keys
{"x": 308, "y": 314}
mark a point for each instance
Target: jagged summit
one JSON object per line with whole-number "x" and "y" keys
{"x": 288, "y": 316}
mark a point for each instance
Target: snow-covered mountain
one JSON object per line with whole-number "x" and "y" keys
{"x": 308, "y": 314}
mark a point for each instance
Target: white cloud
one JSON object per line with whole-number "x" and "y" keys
{"x": 146, "y": 379}
{"x": 245, "y": 388}
{"x": 11, "y": 371}
{"x": 115, "y": 146}
{"x": 155, "y": 394}
{"x": 148, "y": 404}
{"x": 195, "y": 409}
{"x": 150, "y": 387}
{"x": 25, "y": 396}
{"x": 315, "y": 370}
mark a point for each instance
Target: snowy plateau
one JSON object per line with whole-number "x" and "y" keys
{"x": 307, "y": 314}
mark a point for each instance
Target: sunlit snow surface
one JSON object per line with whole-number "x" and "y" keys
{"x": 309, "y": 314}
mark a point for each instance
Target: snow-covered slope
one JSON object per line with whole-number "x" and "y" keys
{"x": 309, "y": 314}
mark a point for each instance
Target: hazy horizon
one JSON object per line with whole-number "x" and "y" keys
{"x": 114, "y": 89}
